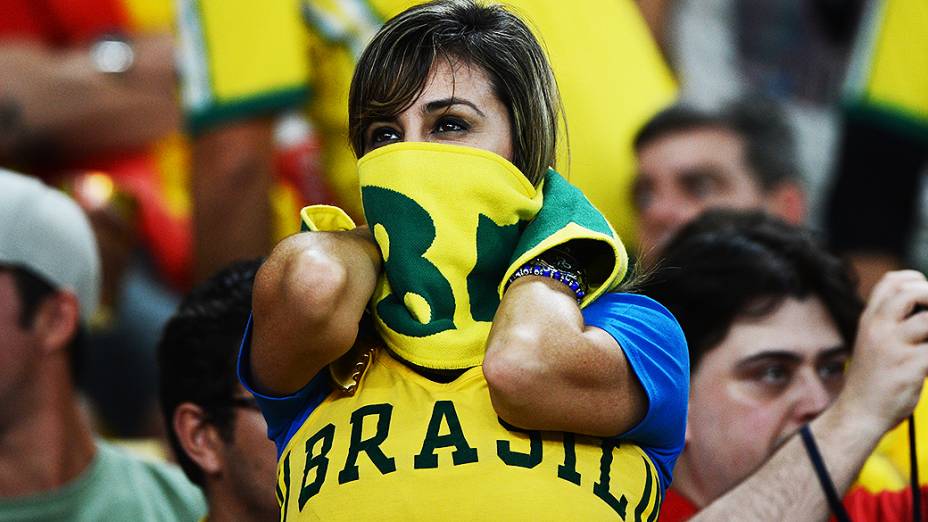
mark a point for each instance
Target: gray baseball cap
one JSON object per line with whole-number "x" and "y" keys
{"x": 45, "y": 231}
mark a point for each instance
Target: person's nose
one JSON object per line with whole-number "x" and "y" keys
{"x": 413, "y": 128}
{"x": 415, "y": 136}
{"x": 813, "y": 397}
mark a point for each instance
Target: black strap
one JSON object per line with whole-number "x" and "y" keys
{"x": 913, "y": 472}
{"x": 837, "y": 508}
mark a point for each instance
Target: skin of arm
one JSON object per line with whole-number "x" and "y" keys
{"x": 308, "y": 300}
{"x": 230, "y": 185}
{"x": 57, "y": 98}
{"x": 883, "y": 385}
{"x": 546, "y": 370}
{"x": 655, "y": 14}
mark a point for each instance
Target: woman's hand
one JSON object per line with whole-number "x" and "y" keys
{"x": 308, "y": 300}
{"x": 546, "y": 370}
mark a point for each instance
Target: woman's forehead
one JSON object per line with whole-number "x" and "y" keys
{"x": 458, "y": 80}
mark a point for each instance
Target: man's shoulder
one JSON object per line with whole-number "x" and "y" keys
{"x": 116, "y": 485}
{"x": 155, "y": 487}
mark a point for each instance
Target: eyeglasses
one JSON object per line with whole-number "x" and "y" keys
{"x": 249, "y": 403}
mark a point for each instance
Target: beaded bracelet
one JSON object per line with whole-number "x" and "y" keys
{"x": 538, "y": 267}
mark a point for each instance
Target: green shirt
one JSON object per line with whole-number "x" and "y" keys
{"x": 116, "y": 486}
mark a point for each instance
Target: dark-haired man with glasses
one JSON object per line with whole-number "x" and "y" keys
{"x": 214, "y": 425}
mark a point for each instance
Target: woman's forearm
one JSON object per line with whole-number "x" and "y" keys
{"x": 308, "y": 300}
{"x": 547, "y": 370}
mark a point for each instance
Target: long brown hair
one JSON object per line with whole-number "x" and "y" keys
{"x": 393, "y": 69}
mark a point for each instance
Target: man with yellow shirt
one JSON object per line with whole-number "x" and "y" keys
{"x": 241, "y": 64}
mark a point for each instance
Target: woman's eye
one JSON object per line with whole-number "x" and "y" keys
{"x": 451, "y": 125}
{"x": 384, "y": 135}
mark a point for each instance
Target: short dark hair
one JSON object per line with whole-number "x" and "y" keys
{"x": 769, "y": 146}
{"x": 198, "y": 351}
{"x": 728, "y": 264}
{"x": 32, "y": 290}
{"x": 393, "y": 69}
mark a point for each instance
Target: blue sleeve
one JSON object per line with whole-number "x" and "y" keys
{"x": 284, "y": 415}
{"x": 655, "y": 348}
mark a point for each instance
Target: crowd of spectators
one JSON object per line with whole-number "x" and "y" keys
{"x": 762, "y": 162}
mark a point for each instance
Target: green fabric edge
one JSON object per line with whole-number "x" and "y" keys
{"x": 888, "y": 117}
{"x": 565, "y": 204}
{"x": 241, "y": 108}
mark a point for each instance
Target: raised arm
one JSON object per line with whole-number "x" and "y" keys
{"x": 547, "y": 370}
{"x": 58, "y": 98}
{"x": 884, "y": 382}
{"x": 309, "y": 297}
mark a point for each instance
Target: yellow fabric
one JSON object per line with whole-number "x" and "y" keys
{"x": 890, "y": 67}
{"x": 430, "y": 201}
{"x": 252, "y": 49}
{"x": 325, "y": 218}
{"x": 429, "y": 451}
{"x": 150, "y": 15}
{"x": 879, "y": 473}
{"x": 172, "y": 155}
{"x": 610, "y": 72}
{"x": 894, "y": 449}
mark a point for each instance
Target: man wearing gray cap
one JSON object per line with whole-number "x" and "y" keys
{"x": 51, "y": 465}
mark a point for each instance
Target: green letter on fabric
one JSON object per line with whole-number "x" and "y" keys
{"x": 601, "y": 488}
{"x": 318, "y": 461}
{"x": 493, "y": 251}
{"x": 370, "y": 446}
{"x": 411, "y": 232}
{"x": 515, "y": 458}
{"x": 463, "y": 453}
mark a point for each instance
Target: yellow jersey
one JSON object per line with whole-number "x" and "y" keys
{"x": 404, "y": 447}
{"x": 888, "y": 76}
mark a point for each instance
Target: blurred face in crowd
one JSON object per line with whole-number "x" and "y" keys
{"x": 768, "y": 377}
{"x": 684, "y": 172}
{"x": 457, "y": 106}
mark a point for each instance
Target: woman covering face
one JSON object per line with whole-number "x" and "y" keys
{"x": 496, "y": 375}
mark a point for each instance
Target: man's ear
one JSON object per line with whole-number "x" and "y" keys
{"x": 198, "y": 438}
{"x": 787, "y": 201}
{"x": 57, "y": 320}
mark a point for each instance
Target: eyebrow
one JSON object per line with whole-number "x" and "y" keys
{"x": 703, "y": 171}
{"x": 788, "y": 356}
{"x": 444, "y": 103}
{"x": 838, "y": 350}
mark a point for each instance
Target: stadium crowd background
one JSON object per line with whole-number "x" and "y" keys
{"x": 192, "y": 132}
